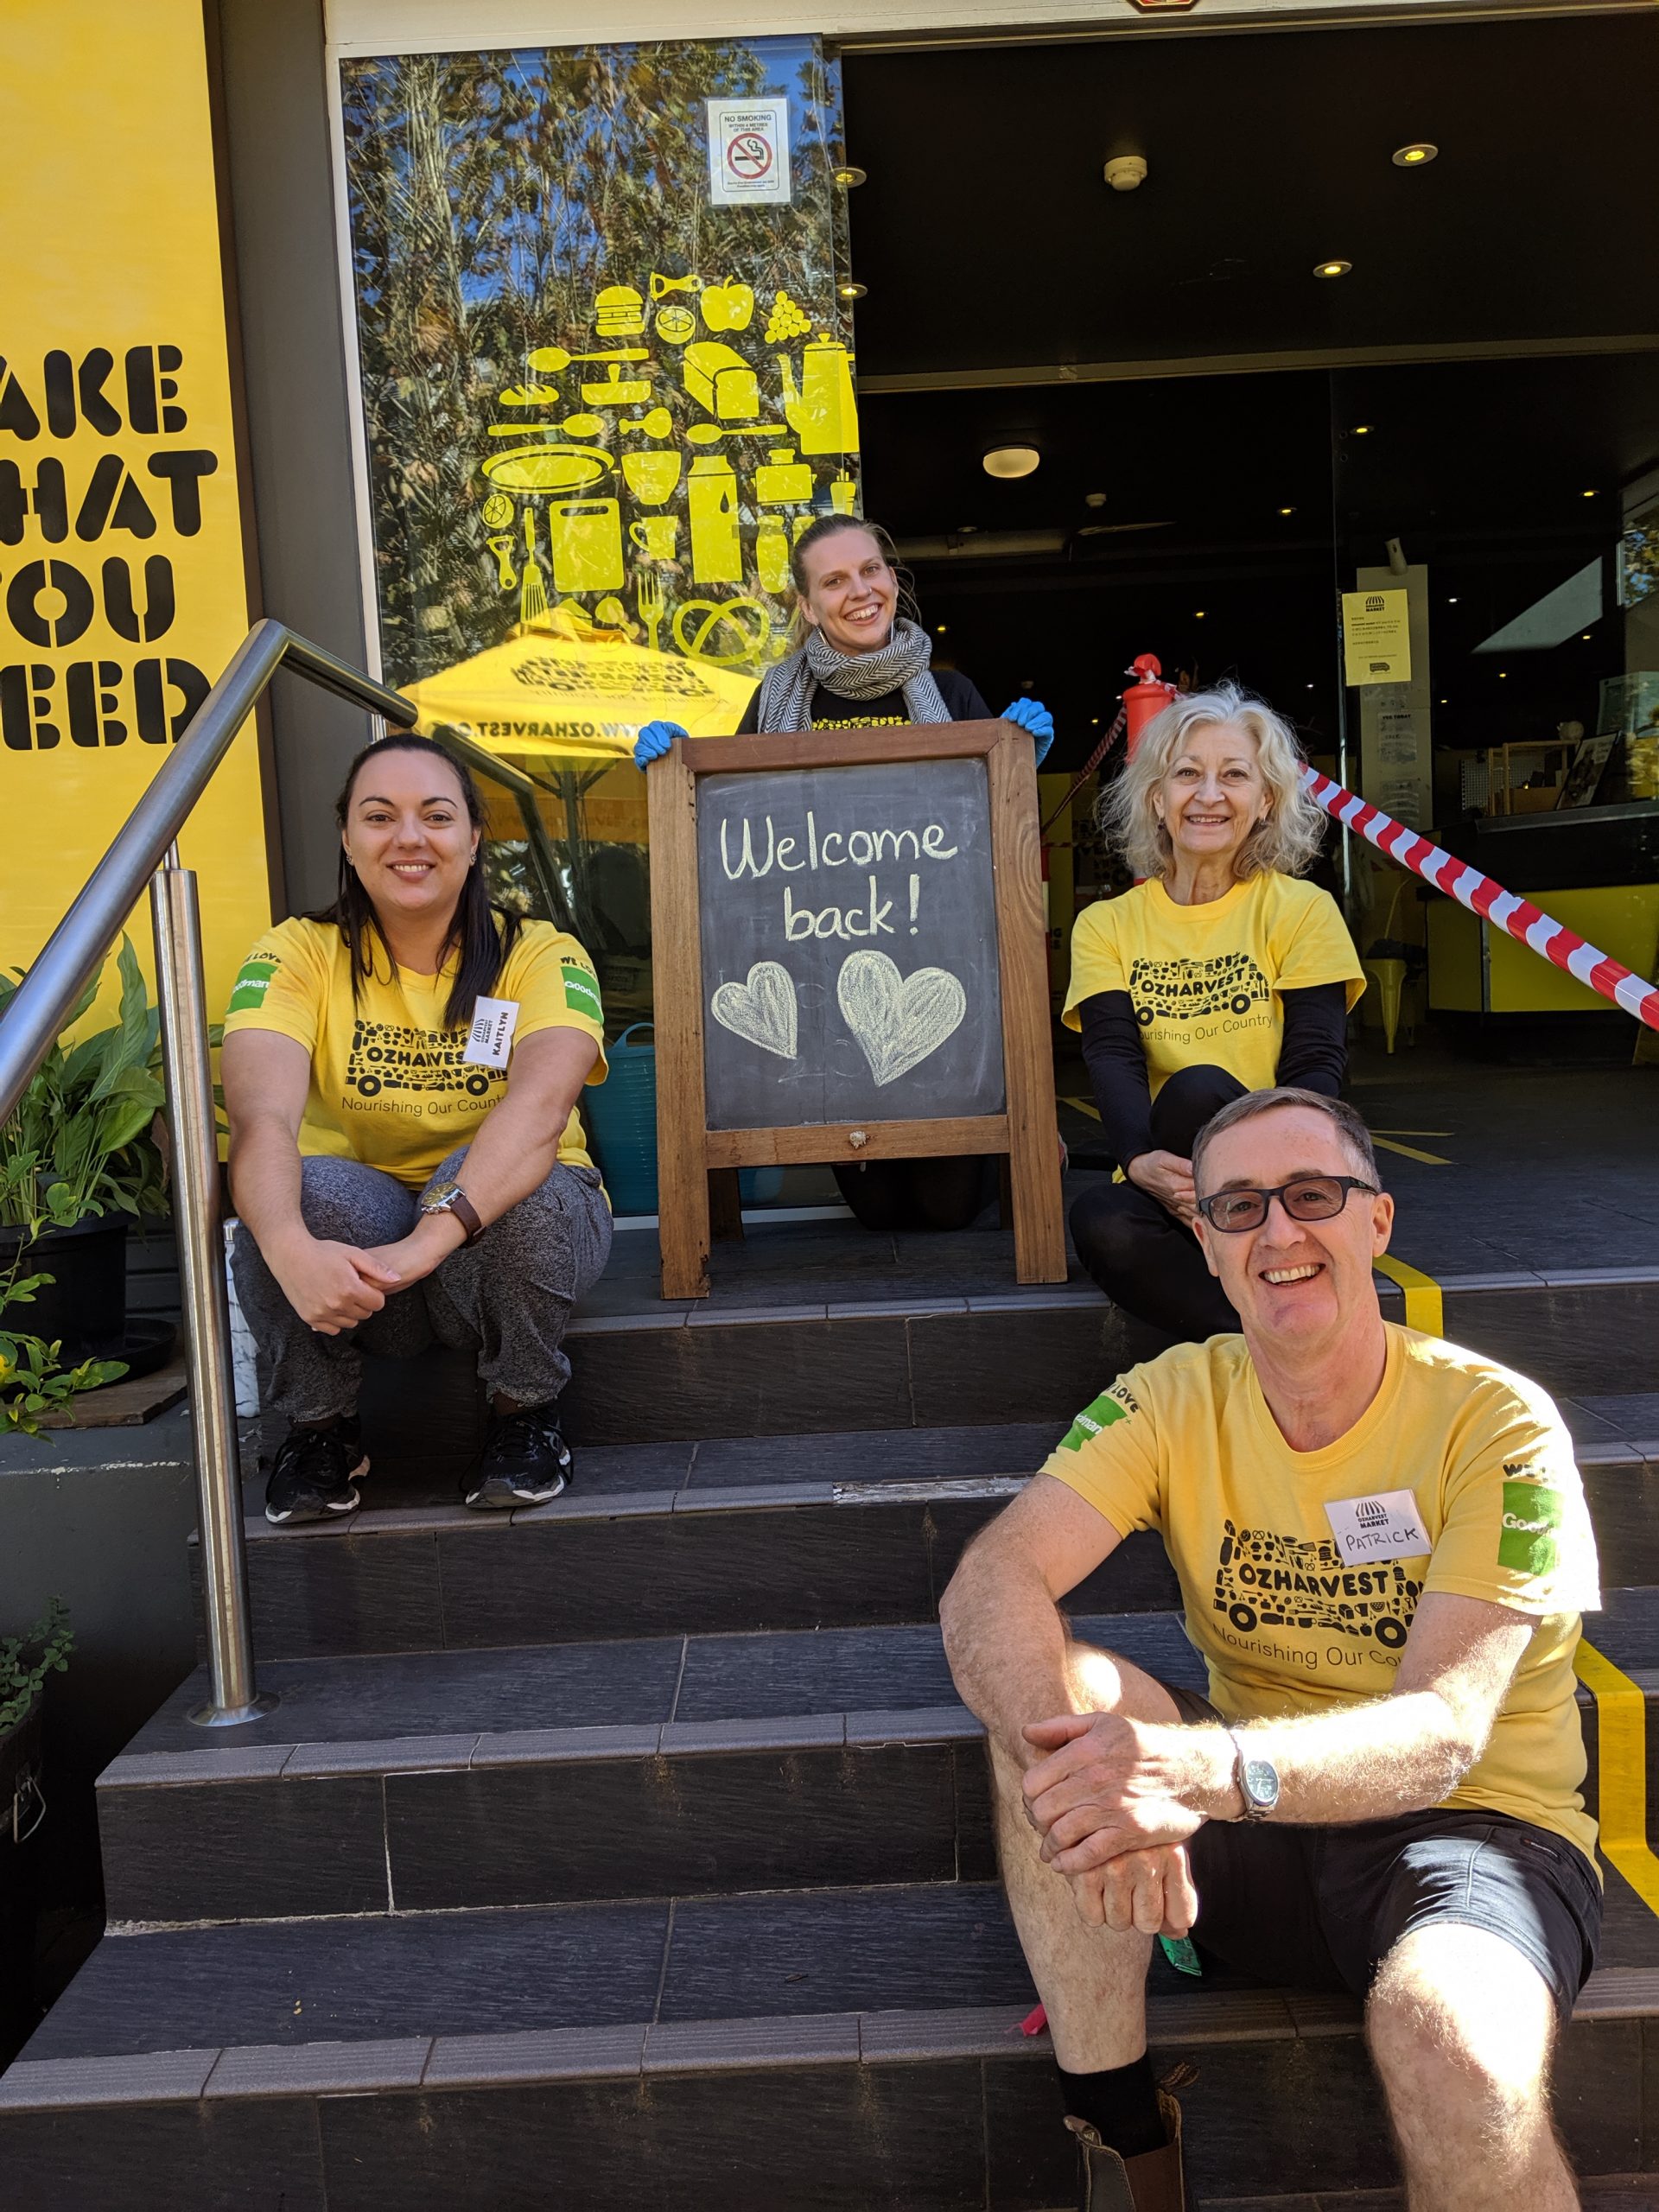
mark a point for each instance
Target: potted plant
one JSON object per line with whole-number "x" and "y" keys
{"x": 25, "y": 1662}
{"x": 80, "y": 1159}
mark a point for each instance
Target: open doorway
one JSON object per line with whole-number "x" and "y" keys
{"x": 1223, "y": 441}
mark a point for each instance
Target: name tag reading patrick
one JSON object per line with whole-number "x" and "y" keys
{"x": 1385, "y": 1525}
{"x": 489, "y": 1041}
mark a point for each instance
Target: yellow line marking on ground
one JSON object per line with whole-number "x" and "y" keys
{"x": 1083, "y": 1107}
{"x": 1424, "y": 1309}
{"x": 1410, "y": 1151}
{"x": 1622, "y": 1737}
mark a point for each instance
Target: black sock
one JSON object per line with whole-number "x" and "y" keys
{"x": 1121, "y": 2104}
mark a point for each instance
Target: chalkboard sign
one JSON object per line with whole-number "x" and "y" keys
{"x": 848, "y": 925}
{"x": 849, "y": 964}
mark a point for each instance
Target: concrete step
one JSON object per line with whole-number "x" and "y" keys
{"x": 748, "y": 1532}
{"x": 661, "y": 1372}
{"x": 437, "y": 1781}
{"x": 809, "y": 2049}
{"x": 808, "y": 1330}
{"x": 738, "y": 1533}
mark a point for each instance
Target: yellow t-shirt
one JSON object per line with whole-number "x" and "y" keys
{"x": 1186, "y": 1444}
{"x": 1205, "y": 980}
{"x": 390, "y": 1082}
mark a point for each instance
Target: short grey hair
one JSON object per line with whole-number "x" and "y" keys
{"x": 1290, "y": 838}
{"x": 1351, "y": 1130}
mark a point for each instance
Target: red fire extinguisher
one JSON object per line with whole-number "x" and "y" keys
{"x": 1147, "y": 697}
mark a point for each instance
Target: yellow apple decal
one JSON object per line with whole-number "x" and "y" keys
{"x": 728, "y": 305}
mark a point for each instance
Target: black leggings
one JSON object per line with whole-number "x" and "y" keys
{"x": 1143, "y": 1258}
{"x": 894, "y": 1194}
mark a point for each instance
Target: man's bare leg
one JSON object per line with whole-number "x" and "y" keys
{"x": 1093, "y": 1980}
{"x": 1461, "y": 2028}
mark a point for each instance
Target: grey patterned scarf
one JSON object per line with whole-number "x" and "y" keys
{"x": 901, "y": 664}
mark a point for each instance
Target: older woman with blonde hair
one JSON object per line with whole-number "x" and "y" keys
{"x": 1220, "y": 973}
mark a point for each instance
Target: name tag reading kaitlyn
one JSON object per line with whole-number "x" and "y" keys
{"x": 1384, "y": 1526}
{"x": 489, "y": 1041}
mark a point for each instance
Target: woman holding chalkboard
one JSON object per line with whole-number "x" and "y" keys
{"x": 1218, "y": 973}
{"x": 860, "y": 663}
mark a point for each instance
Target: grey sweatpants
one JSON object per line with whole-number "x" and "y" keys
{"x": 507, "y": 1298}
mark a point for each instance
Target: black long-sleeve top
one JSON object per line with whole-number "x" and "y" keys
{"x": 1312, "y": 1055}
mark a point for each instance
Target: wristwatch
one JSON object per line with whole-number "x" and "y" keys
{"x": 449, "y": 1198}
{"x": 1257, "y": 1779}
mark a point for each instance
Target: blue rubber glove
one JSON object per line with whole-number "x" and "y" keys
{"x": 654, "y": 741}
{"x": 1033, "y": 714}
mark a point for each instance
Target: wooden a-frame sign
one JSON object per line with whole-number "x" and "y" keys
{"x": 688, "y": 1150}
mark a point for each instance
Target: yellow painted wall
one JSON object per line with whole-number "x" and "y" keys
{"x": 1621, "y": 920}
{"x": 120, "y": 521}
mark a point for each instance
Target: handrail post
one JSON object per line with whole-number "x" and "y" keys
{"x": 181, "y": 994}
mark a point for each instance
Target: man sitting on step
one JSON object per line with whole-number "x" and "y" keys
{"x": 1383, "y": 1549}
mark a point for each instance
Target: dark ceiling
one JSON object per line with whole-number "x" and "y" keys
{"x": 988, "y": 239}
{"x": 1267, "y": 153}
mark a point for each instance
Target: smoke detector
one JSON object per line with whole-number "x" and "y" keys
{"x": 1126, "y": 172}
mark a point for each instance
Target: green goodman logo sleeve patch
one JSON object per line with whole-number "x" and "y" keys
{"x": 249, "y": 993}
{"x": 581, "y": 990}
{"x": 1105, "y": 1410}
{"x": 1532, "y": 1515}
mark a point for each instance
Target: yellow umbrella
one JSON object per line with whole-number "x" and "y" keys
{"x": 563, "y": 687}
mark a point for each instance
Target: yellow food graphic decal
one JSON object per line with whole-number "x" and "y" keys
{"x": 823, "y": 413}
{"x": 716, "y": 545}
{"x": 743, "y": 510}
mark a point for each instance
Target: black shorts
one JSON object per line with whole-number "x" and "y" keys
{"x": 1321, "y": 1908}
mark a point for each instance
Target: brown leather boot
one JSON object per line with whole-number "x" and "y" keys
{"x": 1151, "y": 2183}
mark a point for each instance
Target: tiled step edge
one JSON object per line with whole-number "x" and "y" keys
{"x": 933, "y": 1724}
{"x": 622, "y": 2052}
{"x": 626, "y": 1505}
{"x": 711, "y": 1314}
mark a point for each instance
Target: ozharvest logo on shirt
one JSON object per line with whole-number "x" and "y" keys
{"x": 1115, "y": 1404}
{"x": 248, "y": 994}
{"x": 1189, "y": 990}
{"x": 1267, "y": 1580}
{"x": 387, "y": 1056}
{"x": 581, "y": 989}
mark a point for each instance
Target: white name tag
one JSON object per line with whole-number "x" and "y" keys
{"x": 489, "y": 1041}
{"x": 1384, "y": 1526}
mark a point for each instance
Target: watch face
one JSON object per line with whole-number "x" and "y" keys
{"x": 444, "y": 1198}
{"x": 1261, "y": 1782}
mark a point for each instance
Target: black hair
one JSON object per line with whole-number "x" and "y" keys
{"x": 483, "y": 932}
{"x": 832, "y": 526}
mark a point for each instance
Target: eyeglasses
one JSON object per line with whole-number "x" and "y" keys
{"x": 1310, "y": 1198}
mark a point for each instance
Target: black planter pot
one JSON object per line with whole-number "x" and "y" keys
{"x": 85, "y": 1303}
{"x": 20, "y": 1800}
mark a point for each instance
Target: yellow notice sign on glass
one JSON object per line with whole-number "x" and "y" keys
{"x": 1376, "y": 637}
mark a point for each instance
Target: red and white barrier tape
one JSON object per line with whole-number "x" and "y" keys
{"x": 1527, "y": 924}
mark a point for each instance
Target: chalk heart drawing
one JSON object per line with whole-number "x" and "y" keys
{"x": 897, "y": 1019}
{"x": 763, "y": 1009}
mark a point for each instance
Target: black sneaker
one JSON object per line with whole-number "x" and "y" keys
{"x": 316, "y": 1475}
{"x": 524, "y": 1462}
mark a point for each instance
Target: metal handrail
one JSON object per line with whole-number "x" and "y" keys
{"x": 146, "y": 847}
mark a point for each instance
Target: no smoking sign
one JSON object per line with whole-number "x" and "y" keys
{"x": 748, "y": 151}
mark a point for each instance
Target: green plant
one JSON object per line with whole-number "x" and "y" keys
{"x": 82, "y": 1140}
{"x": 31, "y": 1381}
{"x": 82, "y": 1137}
{"x": 26, "y": 1660}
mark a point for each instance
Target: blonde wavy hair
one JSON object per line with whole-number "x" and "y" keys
{"x": 1289, "y": 837}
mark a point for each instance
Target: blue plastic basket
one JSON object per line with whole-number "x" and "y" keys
{"x": 621, "y": 1119}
